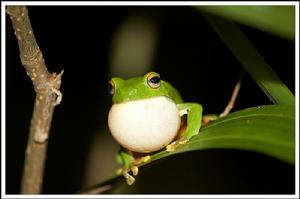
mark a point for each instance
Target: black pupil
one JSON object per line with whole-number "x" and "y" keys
{"x": 155, "y": 80}
{"x": 110, "y": 87}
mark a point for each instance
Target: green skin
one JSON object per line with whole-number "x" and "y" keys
{"x": 137, "y": 88}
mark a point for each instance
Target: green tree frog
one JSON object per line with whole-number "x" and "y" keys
{"x": 147, "y": 117}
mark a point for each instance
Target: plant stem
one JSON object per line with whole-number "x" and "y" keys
{"x": 234, "y": 95}
{"x": 46, "y": 86}
{"x": 98, "y": 190}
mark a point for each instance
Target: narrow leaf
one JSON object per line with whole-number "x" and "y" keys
{"x": 277, "y": 20}
{"x": 267, "y": 129}
{"x": 251, "y": 60}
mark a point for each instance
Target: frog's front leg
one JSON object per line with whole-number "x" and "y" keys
{"x": 130, "y": 165}
{"x": 125, "y": 159}
{"x": 194, "y": 117}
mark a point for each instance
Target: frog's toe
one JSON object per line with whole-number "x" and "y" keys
{"x": 171, "y": 147}
{"x": 182, "y": 142}
{"x": 135, "y": 170}
{"x": 146, "y": 159}
{"x": 125, "y": 172}
{"x": 140, "y": 161}
{"x": 129, "y": 178}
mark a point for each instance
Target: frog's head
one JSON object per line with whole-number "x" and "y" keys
{"x": 148, "y": 86}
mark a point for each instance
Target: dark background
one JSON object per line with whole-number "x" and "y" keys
{"x": 189, "y": 55}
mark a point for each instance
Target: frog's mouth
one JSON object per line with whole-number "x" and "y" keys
{"x": 144, "y": 125}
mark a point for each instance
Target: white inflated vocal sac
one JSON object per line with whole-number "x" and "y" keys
{"x": 144, "y": 125}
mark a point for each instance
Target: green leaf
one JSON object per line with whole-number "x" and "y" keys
{"x": 251, "y": 60}
{"x": 266, "y": 129}
{"x": 277, "y": 20}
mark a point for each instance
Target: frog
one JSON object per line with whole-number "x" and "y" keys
{"x": 149, "y": 115}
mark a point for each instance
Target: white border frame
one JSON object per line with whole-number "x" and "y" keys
{"x": 145, "y": 3}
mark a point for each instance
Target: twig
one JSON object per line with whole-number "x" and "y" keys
{"x": 46, "y": 86}
{"x": 98, "y": 190}
{"x": 233, "y": 96}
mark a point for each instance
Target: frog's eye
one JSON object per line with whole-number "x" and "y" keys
{"x": 111, "y": 87}
{"x": 153, "y": 80}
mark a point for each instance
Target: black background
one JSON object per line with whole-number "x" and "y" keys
{"x": 189, "y": 55}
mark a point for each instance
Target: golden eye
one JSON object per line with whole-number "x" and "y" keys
{"x": 153, "y": 80}
{"x": 111, "y": 87}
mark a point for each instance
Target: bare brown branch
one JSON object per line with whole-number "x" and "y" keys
{"x": 234, "y": 95}
{"x": 46, "y": 86}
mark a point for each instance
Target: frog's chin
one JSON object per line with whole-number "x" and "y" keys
{"x": 144, "y": 125}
